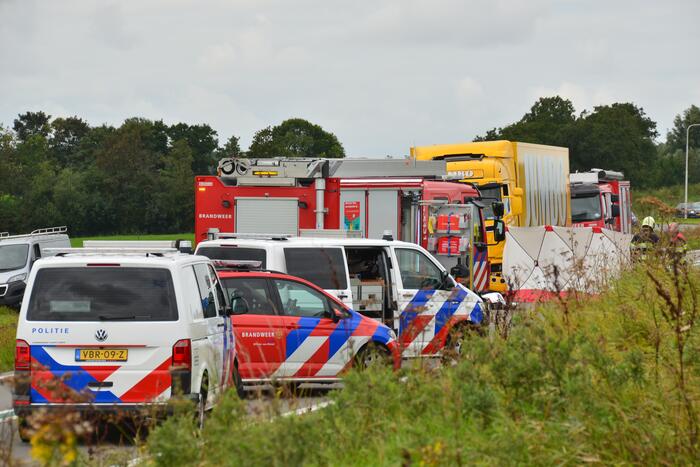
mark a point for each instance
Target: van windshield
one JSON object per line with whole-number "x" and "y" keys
{"x": 13, "y": 257}
{"x": 102, "y": 294}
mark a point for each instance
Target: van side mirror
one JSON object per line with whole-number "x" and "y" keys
{"x": 615, "y": 210}
{"x": 239, "y": 305}
{"x": 499, "y": 230}
{"x": 498, "y": 209}
{"x": 460, "y": 270}
{"x": 337, "y": 314}
{"x": 516, "y": 201}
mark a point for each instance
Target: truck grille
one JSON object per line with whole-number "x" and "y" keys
{"x": 3, "y": 290}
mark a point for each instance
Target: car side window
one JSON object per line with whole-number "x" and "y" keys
{"x": 37, "y": 251}
{"x": 206, "y": 290}
{"x": 417, "y": 271}
{"x": 300, "y": 300}
{"x": 249, "y": 295}
{"x": 191, "y": 293}
{"x": 220, "y": 296}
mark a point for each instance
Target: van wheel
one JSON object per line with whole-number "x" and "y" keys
{"x": 371, "y": 356}
{"x": 454, "y": 343}
{"x": 202, "y": 404}
{"x": 23, "y": 429}
{"x": 238, "y": 382}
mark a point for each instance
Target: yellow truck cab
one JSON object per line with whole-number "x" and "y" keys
{"x": 532, "y": 181}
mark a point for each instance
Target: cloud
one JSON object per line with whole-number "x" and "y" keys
{"x": 469, "y": 89}
{"x": 382, "y": 75}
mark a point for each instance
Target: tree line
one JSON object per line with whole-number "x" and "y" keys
{"x": 619, "y": 137}
{"x": 138, "y": 177}
{"x": 135, "y": 178}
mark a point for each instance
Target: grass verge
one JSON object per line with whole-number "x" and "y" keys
{"x": 671, "y": 195}
{"x": 78, "y": 241}
{"x": 8, "y": 331}
{"x": 595, "y": 381}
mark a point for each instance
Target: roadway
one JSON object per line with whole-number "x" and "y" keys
{"x": 112, "y": 450}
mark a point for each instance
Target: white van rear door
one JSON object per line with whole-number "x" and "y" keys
{"x": 101, "y": 334}
{"x": 327, "y": 267}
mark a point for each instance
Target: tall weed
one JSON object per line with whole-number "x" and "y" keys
{"x": 600, "y": 384}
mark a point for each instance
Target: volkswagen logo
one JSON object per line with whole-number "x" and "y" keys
{"x": 101, "y": 335}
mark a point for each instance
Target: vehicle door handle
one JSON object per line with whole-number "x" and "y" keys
{"x": 220, "y": 325}
{"x": 407, "y": 295}
{"x": 99, "y": 385}
{"x": 342, "y": 295}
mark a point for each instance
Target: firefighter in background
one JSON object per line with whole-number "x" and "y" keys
{"x": 646, "y": 239}
{"x": 676, "y": 240}
{"x": 675, "y": 237}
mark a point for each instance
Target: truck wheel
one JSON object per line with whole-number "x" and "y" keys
{"x": 371, "y": 356}
{"x": 202, "y": 404}
{"x": 23, "y": 429}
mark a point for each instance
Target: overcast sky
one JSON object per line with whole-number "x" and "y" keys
{"x": 381, "y": 75}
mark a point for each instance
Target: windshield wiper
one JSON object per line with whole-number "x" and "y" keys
{"x": 116, "y": 318}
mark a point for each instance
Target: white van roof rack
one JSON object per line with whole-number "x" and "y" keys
{"x": 214, "y": 235}
{"x": 131, "y": 244}
{"x": 45, "y": 231}
{"x": 113, "y": 251}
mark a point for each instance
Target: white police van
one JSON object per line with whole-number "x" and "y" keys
{"x": 398, "y": 283}
{"x": 122, "y": 330}
{"x": 17, "y": 255}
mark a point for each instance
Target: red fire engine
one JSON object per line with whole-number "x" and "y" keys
{"x": 367, "y": 198}
{"x": 601, "y": 198}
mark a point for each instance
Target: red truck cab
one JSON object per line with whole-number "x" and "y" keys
{"x": 600, "y": 198}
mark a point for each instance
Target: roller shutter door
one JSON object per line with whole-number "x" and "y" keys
{"x": 267, "y": 215}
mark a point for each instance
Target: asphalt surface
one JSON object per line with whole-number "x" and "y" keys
{"x": 112, "y": 450}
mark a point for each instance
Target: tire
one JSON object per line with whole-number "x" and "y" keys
{"x": 452, "y": 351}
{"x": 202, "y": 404}
{"x": 23, "y": 429}
{"x": 292, "y": 389}
{"x": 238, "y": 382}
{"x": 372, "y": 355}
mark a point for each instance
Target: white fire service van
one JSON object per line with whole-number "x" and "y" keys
{"x": 397, "y": 283}
{"x": 122, "y": 330}
{"x": 17, "y": 255}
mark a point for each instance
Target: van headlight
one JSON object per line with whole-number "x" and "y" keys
{"x": 18, "y": 277}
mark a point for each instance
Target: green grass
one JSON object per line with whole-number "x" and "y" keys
{"x": 589, "y": 382}
{"x": 78, "y": 241}
{"x": 681, "y": 220}
{"x": 8, "y": 331}
{"x": 671, "y": 195}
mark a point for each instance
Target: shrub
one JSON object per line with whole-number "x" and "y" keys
{"x": 600, "y": 385}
